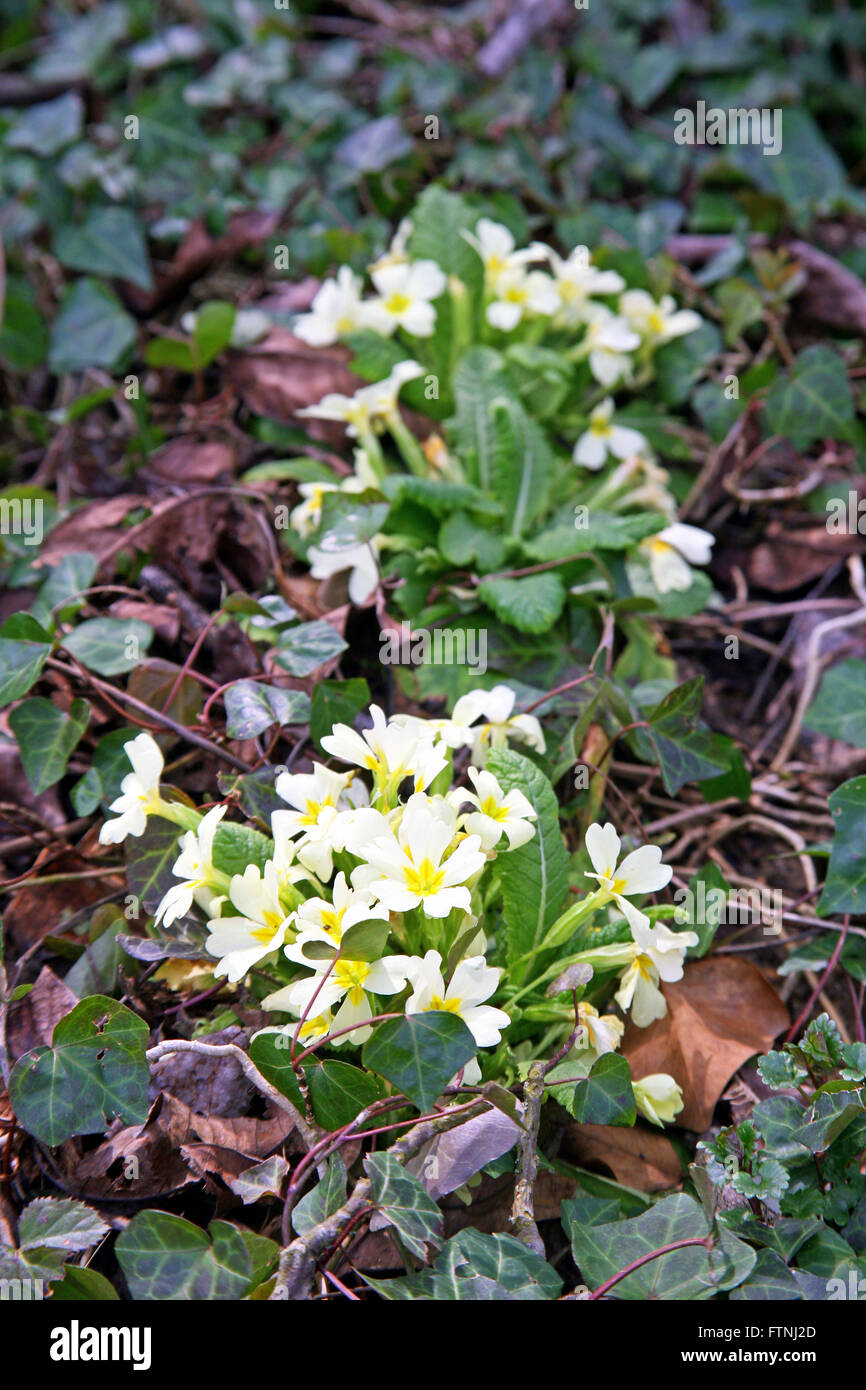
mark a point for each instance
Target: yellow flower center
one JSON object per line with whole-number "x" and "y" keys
{"x": 494, "y": 264}
{"x": 332, "y": 922}
{"x": 314, "y": 1027}
{"x": 350, "y": 976}
{"x": 424, "y": 878}
{"x": 601, "y": 428}
{"x": 265, "y": 933}
{"x": 515, "y": 294}
{"x": 656, "y": 322}
{"x": 444, "y": 1006}
{"x": 345, "y": 324}
{"x": 397, "y": 303}
{"x": 489, "y": 808}
{"x": 619, "y": 885}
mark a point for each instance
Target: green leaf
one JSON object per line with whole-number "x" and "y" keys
{"x": 690, "y": 1272}
{"x": 164, "y": 1257}
{"x": 772, "y": 1281}
{"x": 680, "y": 363}
{"x": 23, "y": 335}
{"x": 473, "y": 1267}
{"x": 703, "y": 906}
{"x": 46, "y": 738}
{"x": 813, "y": 400}
{"x": 149, "y": 861}
{"x": 235, "y": 846}
{"x": 845, "y": 887}
{"x": 606, "y": 1096}
{"x": 339, "y": 1092}
{"x": 212, "y": 331}
{"x": 524, "y": 464}
{"x": 83, "y": 1285}
{"x": 350, "y": 519}
{"x": 303, "y": 649}
{"x": 91, "y": 330}
{"x": 531, "y": 604}
{"x": 93, "y": 1072}
{"x": 374, "y": 145}
{"x": 480, "y": 380}
{"x": 325, "y": 1198}
{"x": 839, "y": 708}
{"x": 271, "y": 1053}
{"x": 438, "y": 221}
{"x": 535, "y": 876}
{"x": 685, "y": 752}
{"x": 59, "y": 1224}
{"x": 21, "y": 665}
{"x": 109, "y": 646}
{"x": 336, "y": 702}
{"x": 252, "y": 707}
{"x": 420, "y": 1053}
{"x": 405, "y": 1204}
{"x": 110, "y": 243}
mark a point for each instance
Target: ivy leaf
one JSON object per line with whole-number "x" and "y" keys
{"x": 405, "y": 1203}
{"x": 93, "y": 1072}
{"x": 336, "y": 702}
{"x": 303, "y": 649}
{"x": 420, "y": 1053}
{"x": 325, "y": 1198}
{"x": 339, "y": 1092}
{"x": 845, "y": 886}
{"x": 165, "y": 1257}
{"x": 531, "y": 604}
{"x": 21, "y": 665}
{"x": 813, "y": 400}
{"x": 46, "y": 738}
{"x": 686, "y": 1273}
{"x": 476, "y": 1267}
{"x": 59, "y": 1224}
{"x": 110, "y": 243}
{"x": 839, "y": 708}
{"x": 252, "y": 707}
{"x": 780, "y": 1070}
{"x": 685, "y": 752}
{"x": 149, "y": 861}
{"x": 535, "y": 876}
{"x": 91, "y": 330}
{"x": 606, "y": 1096}
{"x": 109, "y": 646}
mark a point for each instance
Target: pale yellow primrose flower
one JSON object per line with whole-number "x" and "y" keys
{"x": 658, "y": 955}
{"x": 609, "y": 340}
{"x": 495, "y": 707}
{"x": 139, "y": 791}
{"x": 660, "y": 322}
{"x": 658, "y": 1097}
{"x": 327, "y": 922}
{"x": 315, "y": 797}
{"x": 413, "y": 868}
{"x": 195, "y": 867}
{"x": 242, "y": 941}
{"x": 603, "y": 438}
{"x": 640, "y": 872}
{"x": 349, "y": 981}
{"x": 336, "y": 311}
{"x": 672, "y": 551}
{"x": 389, "y": 750}
{"x": 577, "y": 280}
{"x": 498, "y": 813}
{"x": 406, "y": 290}
{"x": 473, "y": 981}
{"x": 497, "y": 249}
{"x": 602, "y": 1032}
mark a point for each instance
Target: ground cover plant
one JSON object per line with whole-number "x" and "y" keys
{"x": 433, "y": 815}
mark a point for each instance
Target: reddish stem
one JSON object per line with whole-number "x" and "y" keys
{"x": 644, "y": 1260}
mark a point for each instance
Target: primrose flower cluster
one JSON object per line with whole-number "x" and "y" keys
{"x": 391, "y": 854}
{"x": 582, "y": 312}
{"x": 389, "y": 840}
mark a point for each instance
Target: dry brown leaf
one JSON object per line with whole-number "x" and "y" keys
{"x": 639, "y": 1158}
{"x": 253, "y": 1137}
{"x": 94, "y": 527}
{"x": 719, "y": 1015}
{"x": 189, "y": 462}
{"x": 138, "y": 1162}
{"x": 787, "y": 559}
{"x": 31, "y": 1020}
{"x": 283, "y": 374}
{"x": 35, "y": 912}
{"x": 211, "y": 1160}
